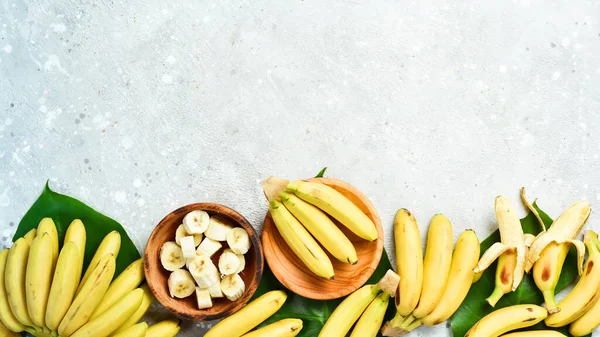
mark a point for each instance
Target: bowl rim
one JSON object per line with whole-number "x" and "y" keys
{"x": 239, "y": 220}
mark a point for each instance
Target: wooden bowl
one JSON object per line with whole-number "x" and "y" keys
{"x": 157, "y": 276}
{"x": 295, "y": 276}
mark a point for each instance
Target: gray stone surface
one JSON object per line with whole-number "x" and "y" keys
{"x": 139, "y": 107}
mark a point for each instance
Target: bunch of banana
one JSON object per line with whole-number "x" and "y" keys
{"x": 365, "y": 305}
{"x": 42, "y": 291}
{"x": 301, "y": 212}
{"x": 455, "y": 282}
{"x": 508, "y": 319}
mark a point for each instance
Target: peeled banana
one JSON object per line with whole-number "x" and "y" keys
{"x": 547, "y": 270}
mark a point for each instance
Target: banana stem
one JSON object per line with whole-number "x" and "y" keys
{"x": 495, "y": 296}
{"x": 550, "y": 301}
{"x": 414, "y": 325}
{"x": 407, "y": 321}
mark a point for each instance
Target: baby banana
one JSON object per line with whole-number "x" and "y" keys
{"x": 167, "y": 328}
{"x": 137, "y": 330}
{"x": 147, "y": 300}
{"x": 64, "y": 284}
{"x": 111, "y": 244}
{"x": 321, "y": 227}
{"x": 507, "y": 319}
{"x": 249, "y": 316}
{"x": 347, "y": 312}
{"x": 38, "y": 278}
{"x": 586, "y": 292}
{"x": 30, "y": 235}
{"x": 288, "y": 327}
{"x": 5, "y": 332}
{"x": 587, "y": 323}
{"x": 535, "y": 333}
{"x": 337, "y": 205}
{"x": 14, "y": 280}
{"x": 409, "y": 261}
{"x": 47, "y": 226}
{"x": 370, "y": 322}
{"x": 77, "y": 233}
{"x": 300, "y": 241}
{"x": 547, "y": 270}
{"x": 6, "y": 315}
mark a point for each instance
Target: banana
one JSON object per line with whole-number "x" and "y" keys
{"x": 171, "y": 256}
{"x": 251, "y": 315}
{"x": 547, "y": 270}
{"x": 129, "y": 280}
{"x": 6, "y": 316}
{"x": 38, "y": 278}
{"x": 181, "y": 284}
{"x": 436, "y": 267}
{"x": 321, "y": 227}
{"x": 113, "y": 317}
{"x": 409, "y": 261}
{"x": 188, "y": 248}
{"x": 242, "y": 263}
{"x": 77, "y": 233}
{"x": 14, "y": 280}
{"x": 337, "y": 205}
{"x": 5, "y": 332}
{"x": 89, "y": 296}
{"x": 147, "y": 300}
{"x": 180, "y": 232}
{"x": 203, "y": 298}
{"x": 215, "y": 290}
{"x": 196, "y": 222}
{"x": 535, "y": 333}
{"x": 203, "y": 271}
{"x": 233, "y": 287}
{"x": 347, "y": 312}
{"x": 138, "y": 330}
{"x": 586, "y": 292}
{"x": 208, "y": 247}
{"x": 167, "y": 328}
{"x": 507, "y": 319}
{"x": 288, "y": 327}
{"x": 229, "y": 262}
{"x": 300, "y": 241}
{"x": 238, "y": 240}
{"x": 31, "y": 235}
{"x": 64, "y": 285}
{"x": 587, "y": 323}
{"x": 111, "y": 244}
{"x": 505, "y": 268}
{"x": 369, "y": 323}
{"x": 218, "y": 229}
{"x": 47, "y": 225}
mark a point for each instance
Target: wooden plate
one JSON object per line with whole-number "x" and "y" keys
{"x": 157, "y": 276}
{"x": 295, "y": 276}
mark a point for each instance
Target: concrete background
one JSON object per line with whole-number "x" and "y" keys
{"x": 139, "y": 107}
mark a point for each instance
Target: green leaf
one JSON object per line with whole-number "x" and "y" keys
{"x": 321, "y": 173}
{"x": 313, "y": 313}
{"x": 475, "y": 307}
{"x": 63, "y": 210}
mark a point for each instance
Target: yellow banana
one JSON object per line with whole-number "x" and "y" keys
{"x": 288, "y": 327}
{"x": 30, "y": 235}
{"x": 535, "y": 333}
{"x": 167, "y": 328}
{"x": 507, "y": 319}
{"x": 147, "y": 300}
{"x": 507, "y": 263}
{"x": 107, "y": 322}
{"x": 64, "y": 284}
{"x": 321, "y": 227}
{"x": 337, "y": 205}
{"x": 249, "y": 316}
{"x": 347, "y": 312}
{"x": 300, "y": 241}
{"x": 77, "y": 233}
{"x": 129, "y": 279}
{"x": 587, "y": 323}
{"x": 5, "y": 332}
{"x": 14, "y": 280}
{"x": 409, "y": 261}
{"x": 436, "y": 267}
{"x": 47, "y": 226}
{"x": 137, "y": 330}
{"x": 369, "y": 323}
{"x": 38, "y": 278}
{"x": 586, "y": 292}
{"x": 89, "y": 296}
{"x": 111, "y": 244}
{"x": 547, "y": 270}
{"x": 6, "y": 315}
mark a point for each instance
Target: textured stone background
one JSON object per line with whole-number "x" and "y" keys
{"x": 138, "y": 107}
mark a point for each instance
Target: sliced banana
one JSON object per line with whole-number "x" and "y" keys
{"x": 215, "y": 290}
{"x": 229, "y": 262}
{"x": 208, "y": 247}
{"x": 196, "y": 222}
{"x": 233, "y": 287}
{"x": 203, "y": 297}
{"x": 187, "y": 247}
{"x": 181, "y": 233}
{"x": 242, "y": 263}
{"x": 238, "y": 240}
{"x": 204, "y": 271}
{"x": 218, "y": 229}
{"x": 171, "y": 256}
{"x": 181, "y": 284}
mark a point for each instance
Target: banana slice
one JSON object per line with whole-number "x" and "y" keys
{"x": 229, "y": 263}
{"x": 187, "y": 247}
{"x": 242, "y": 263}
{"x": 181, "y": 233}
{"x": 215, "y": 290}
{"x": 218, "y": 229}
{"x": 181, "y": 284}
{"x": 233, "y": 287}
{"x": 204, "y": 271}
{"x": 203, "y": 297}
{"x": 208, "y": 247}
{"x": 196, "y": 222}
{"x": 171, "y": 256}
{"x": 238, "y": 240}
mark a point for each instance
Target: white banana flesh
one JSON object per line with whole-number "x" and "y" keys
{"x": 218, "y": 229}
{"x": 203, "y": 298}
{"x": 188, "y": 248}
{"x": 229, "y": 262}
{"x": 204, "y": 271}
{"x": 196, "y": 222}
{"x": 181, "y": 284}
{"x": 233, "y": 287}
{"x": 171, "y": 256}
{"x": 238, "y": 240}
{"x": 180, "y": 232}
{"x": 208, "y": 247}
